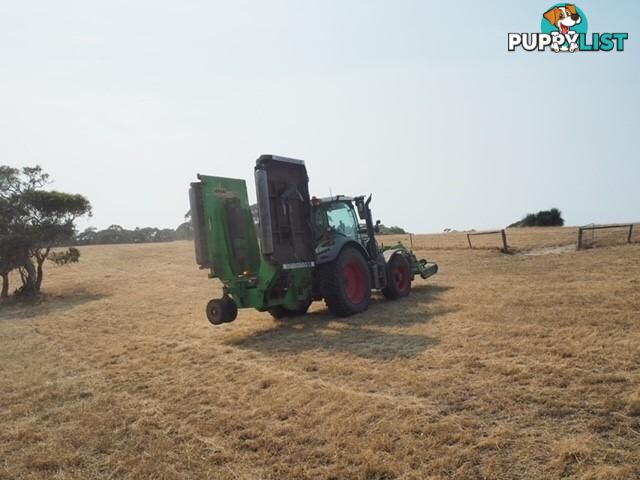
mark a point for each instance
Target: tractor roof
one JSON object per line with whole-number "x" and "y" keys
{"x": 336, "y": 198}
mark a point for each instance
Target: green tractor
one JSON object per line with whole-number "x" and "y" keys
{"x": 309, "y": 249}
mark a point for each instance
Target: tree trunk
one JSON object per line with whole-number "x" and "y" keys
{"x": 40, "y": 259}
{"x": 39, "y": 274}
{"x": 5, "y": 285}
{"x": 29, "y": 279}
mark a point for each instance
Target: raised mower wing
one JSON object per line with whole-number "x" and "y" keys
{"x": 284, "y": 208}
{"x": 225, "y": 236}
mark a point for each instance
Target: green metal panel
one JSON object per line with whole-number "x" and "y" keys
{"x": 232, "y": 244}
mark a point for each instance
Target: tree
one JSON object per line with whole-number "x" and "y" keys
{"x": 393, "y": 230}
{"x": 165, "y": 235}
{"x": 33, "y": 221}
{"x": 87, "y": 237}
{"x": 118, "y": 234}
{"x": 544, "y": 218}
{"x": 11, "y": 257}
{"x": 12, "y": 252}
{"x": 185, "y": 231}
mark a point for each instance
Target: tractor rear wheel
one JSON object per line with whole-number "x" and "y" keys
{"x": 346, "y": 284}
{"x": 398, "y": 278}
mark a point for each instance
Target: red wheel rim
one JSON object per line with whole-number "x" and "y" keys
{"x": 355, "y": 282}
{"x": 401, "y": 277}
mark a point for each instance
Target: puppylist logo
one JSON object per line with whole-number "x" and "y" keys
{"x": 564, "y": 29}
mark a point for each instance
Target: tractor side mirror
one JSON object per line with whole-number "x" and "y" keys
{"x": 377, "y": 227}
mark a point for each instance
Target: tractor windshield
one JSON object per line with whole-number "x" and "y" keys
{"x": 337, "y": 217}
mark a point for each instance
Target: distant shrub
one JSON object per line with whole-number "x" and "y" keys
{"x": 118, "y": 234}
{"x": 185, "y": 231}
{"x": 544, "y": 218}
{"x": 72, "y": 255}
{"x": 393, "y": 230}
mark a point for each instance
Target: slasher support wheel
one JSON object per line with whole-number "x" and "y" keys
{"x": 221, "y": 310}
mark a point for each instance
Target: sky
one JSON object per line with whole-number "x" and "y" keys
{"x": 417, "y": 102}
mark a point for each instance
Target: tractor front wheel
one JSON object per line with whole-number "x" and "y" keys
{"x": 347, "y": 289}
{"x": 398, "y": 278}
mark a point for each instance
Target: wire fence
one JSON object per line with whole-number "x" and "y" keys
{"x": 584, "y": 241}
{"x": 502, "y": 233}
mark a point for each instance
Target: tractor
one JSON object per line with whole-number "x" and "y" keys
{"x": 298, "y": 250}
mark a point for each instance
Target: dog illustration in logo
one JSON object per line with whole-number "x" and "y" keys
{"x": 563, "y": 18}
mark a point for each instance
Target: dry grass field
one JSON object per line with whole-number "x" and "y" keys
{"x": 500, "y": 367}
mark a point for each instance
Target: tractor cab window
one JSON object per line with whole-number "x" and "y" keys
{"x": 341, "y": 219}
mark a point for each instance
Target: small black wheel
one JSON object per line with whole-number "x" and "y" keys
{"x": 231, "y": 309}
{"x": 398, "y": 278}
{"x": 221, "y": 310}
{"x": 215, "y": 311}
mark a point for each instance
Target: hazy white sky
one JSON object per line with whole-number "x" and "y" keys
{"x": 418, "y": 102}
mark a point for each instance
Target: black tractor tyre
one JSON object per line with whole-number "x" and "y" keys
{"x": 221, "y": 310}
{"x": 398, "y": 278}
{"x": 279, "y": 311}
{"x": 215, "y": 311}
{"x": 231, "y": 309}
{"x": 346, "y": 283}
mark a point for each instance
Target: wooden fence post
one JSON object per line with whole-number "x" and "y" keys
{"x": 630, "y": 233}
{"x": 579, "y": 238}
{"x": 469, "y": 240}
{"x": 504, "y": 241}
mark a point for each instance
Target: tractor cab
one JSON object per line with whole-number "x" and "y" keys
{"x": 335, "y": 216}
{"x": 341, "y": 220}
